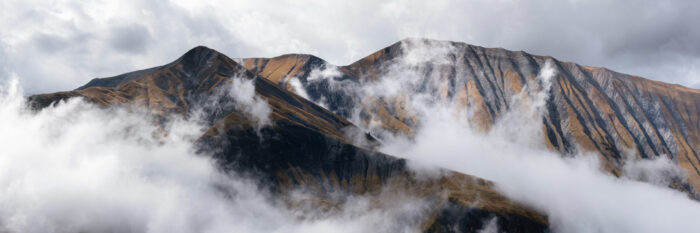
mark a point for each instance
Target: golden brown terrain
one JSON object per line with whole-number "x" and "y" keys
{"x": 306, "y": 146}
{"x": 589, "y": 109}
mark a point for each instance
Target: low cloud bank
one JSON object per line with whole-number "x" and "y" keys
{"x": 75, "y": 167}
{"x": 576, "y": 194}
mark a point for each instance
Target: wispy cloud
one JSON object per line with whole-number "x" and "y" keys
{"x": 573, "y": 190}
{"x": 62, "y": 45}
{"x": 246, "y": 99}
{"x": 76, "y": 167}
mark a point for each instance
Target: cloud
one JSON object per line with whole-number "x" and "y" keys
{"x": 242, "y": 91}
{"x": 490, "y": 227}
{"x": 573, "y": 190}
{"x": 660, "y": 171}
{"x": 575, "y": 194}
{"x": 325, "y": 77}
{"x": 298, "y": 87}
{"x": 76, "y": 167}
{"x": 62, "y": 45}
{"x": 325, "y": 72}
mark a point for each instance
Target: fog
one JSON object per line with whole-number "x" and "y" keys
{"x": 75, "y": 167}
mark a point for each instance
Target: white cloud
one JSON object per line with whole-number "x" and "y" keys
{"x": 298, "y": 87}
{"x": 491, "y": 226}
{"x": 324, "y": 75}
{"x": 576, "y": 194}
{"x": 660, "y": 171}
{"x": 76, "y": 167}
{"x": 326, "y": 72}
{"x": 242, "y": 91}
{"x": 62, "y": 44}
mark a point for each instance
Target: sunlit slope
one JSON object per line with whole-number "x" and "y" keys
{"x": 304, "y": 147}
{"x": 589, "y": 109}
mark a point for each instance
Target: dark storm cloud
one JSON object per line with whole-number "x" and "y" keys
{"x": 70, "y": 42}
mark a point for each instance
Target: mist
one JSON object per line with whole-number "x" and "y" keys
{"x": 76, "y": 167}
{"x": 573, "y": 189}
{"x": 243, "y": 93}
{"x": 576, "y": 194}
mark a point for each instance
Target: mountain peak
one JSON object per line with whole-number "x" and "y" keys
{"x": 193, "y": 60}
{"x": 197, "y": 57}
{"x": 199, "y": 50}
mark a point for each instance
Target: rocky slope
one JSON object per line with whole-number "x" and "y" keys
{"x": 588, "y": 109}
{"x": 296, "y": 144}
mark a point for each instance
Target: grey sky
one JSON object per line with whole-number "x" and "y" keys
{"x": 59, "y": 45}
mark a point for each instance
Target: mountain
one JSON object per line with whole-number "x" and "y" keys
{"x": 290, "y": 143}
{"x": 588, "y": 109}
{"x": 320, "y": 125}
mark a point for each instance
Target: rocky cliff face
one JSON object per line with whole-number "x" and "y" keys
{"x": 287, "y": 142}
{"x": 588, "y": 109}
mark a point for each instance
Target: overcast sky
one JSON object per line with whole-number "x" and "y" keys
{"x": 60, "y": 45}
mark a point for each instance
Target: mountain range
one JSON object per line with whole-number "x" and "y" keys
{"x": 323, "y": 124}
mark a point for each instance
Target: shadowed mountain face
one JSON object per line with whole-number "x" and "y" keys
{"x": 287, "y": 142}
{"x": 588, "y": 109}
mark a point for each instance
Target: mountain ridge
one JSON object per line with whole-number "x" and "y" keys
{"x": 588, "y": 89}
{"x": 319, "y": 110}
{"x": 612, "y": 112}
{"x": 306, "y": 146}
